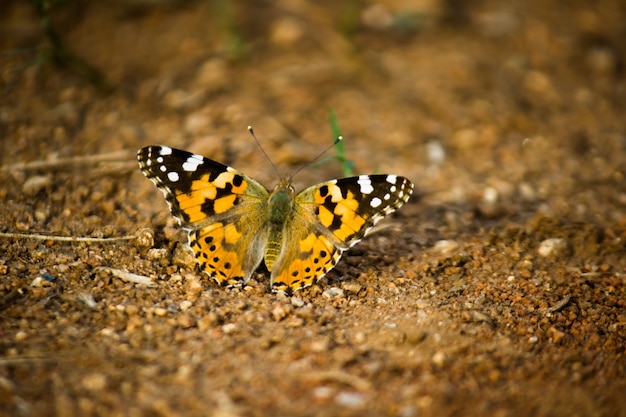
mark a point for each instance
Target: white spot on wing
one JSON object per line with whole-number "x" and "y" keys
{"x": 365, "y": 184}
{"x": 165, "y": 150}
{"x": 163, "y": 168}
{"x": 173, "y": 176}
{"x": 192, "y": 163}
{"x": 376, "y": 202}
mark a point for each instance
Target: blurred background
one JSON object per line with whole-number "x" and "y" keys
{"x": 509, "y": 116}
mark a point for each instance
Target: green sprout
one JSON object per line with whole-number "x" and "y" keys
{"x": 347, "y": 166}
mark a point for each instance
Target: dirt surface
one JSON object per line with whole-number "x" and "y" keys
{"x": 499, "y": 289}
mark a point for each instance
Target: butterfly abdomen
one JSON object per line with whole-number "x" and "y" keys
{"x": 274, "y": 245}
{"x": 279, "y": 210}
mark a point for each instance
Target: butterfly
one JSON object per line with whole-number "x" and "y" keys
{"x": 234, "y": 222}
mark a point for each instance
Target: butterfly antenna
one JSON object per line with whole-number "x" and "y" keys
{"x": 339, "y": 139}
{"x": 263, "y": 150}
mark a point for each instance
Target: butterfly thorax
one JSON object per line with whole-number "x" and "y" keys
{"x": 279, "y": 211}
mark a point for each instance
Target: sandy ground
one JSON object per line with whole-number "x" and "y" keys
{"x": 499, "y": 289}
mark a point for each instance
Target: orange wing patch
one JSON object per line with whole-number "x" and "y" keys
{"x": 338, "y": 212}
{"x": 304, "y": 264}
{"x": 213, "y": 247}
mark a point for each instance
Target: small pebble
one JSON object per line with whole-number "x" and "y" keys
{"x": 131, "y": 309}
{"x": 160, "y": 311}
{"x": 333, "y": 292}
{"x": 94, "y": 381}
{"x": 280, "y": 312}
{"x": 439, "y": 359}
{"x": 435, "y": 152}
{"x": 156, "y": 254}
{"x": 184, "y": 305}
{"x": 552, "y": 247}
{"x": 490, "y": 195}
{"x": 35, "y": 184}
{"x": 229, "y": 328}
{"x": 297, "y": 302}
{"x": 207, "y": 321}
{"x": 286, "y": 31}
{"x": 351, "y": 287}
{"x": 42, "y": 281}
{"x": 350, "y": 399}
{"x": 144, "y": 238}
{"x": 322, "y": 393}
{"x": 446, "y": 247}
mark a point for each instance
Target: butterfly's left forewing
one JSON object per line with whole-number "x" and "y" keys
{"x": 329, "y": 218}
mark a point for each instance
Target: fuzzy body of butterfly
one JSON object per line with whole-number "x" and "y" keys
{"x": 234, "y": 222}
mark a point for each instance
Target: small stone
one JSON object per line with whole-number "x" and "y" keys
{"x": 280, "y": 311}
{"x": 359, "y": 338}
{"x": 322, "y": 393}
{"x": 351, "y": 287}
{"x": 294, "y": 322}
{"x": 185, "y": 305}
{"x": 35, "y": 184}
{"x": 490, "y": 195}
{"x": 207, "y": 321}
{"x": 20, "y": 336}
{"x": 333, "y": 292}
{"x": 160, "y": 311}
{"x": 94, "y": 381}
{"x": 319, "y": 345}
{"x": 144, "y": 238}
{"x": 286, "y": 31}
{"x": 297, "y": 302}
{"x": 42, "y": 281}
{"x": 439, "y": 359}
{"x": 377, "y": 17}
{"x": 229, "y": 328}
{"x": 37, "y": 282}
{"x": 350, "y": 399}
{"x": 415, "y": 336}
{"x": 156, "y": 254}
{"x": 131, "y": 309}
{"x": 446, "y": 247}
{"x": 435, "y": 152}
{"x": 183, "y": 257}
{"x": 557, "y": 335}
{"x": 552, "y": 247}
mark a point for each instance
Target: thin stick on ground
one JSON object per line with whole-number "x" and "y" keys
{"x": 65, "y": 238}
{"x": 143, "y": 237}
{"x": 72, "y": 162}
